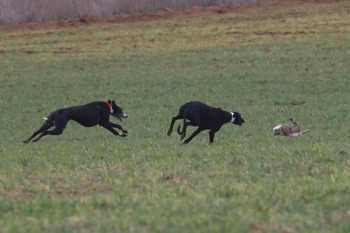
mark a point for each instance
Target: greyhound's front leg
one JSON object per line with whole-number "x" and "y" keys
{"x": 110, "y": 125}
{"x": 211, "y": 136}
{"x": 111, "y": 129}
{"x": 125, "y": 132}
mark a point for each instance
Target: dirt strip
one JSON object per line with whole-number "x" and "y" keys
{"x": 160, "y": 15}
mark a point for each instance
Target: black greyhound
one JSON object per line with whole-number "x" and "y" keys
{"x": 87, "y": 115}
{"x": 205, "y": 117}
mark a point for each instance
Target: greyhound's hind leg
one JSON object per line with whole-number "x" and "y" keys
{"x": 42, "y": 129}
{"x": 192, "y": 136}
{"x": 56, "y": 131}
{"x": 58, "y": 120}
{"x": 61, "y": 121}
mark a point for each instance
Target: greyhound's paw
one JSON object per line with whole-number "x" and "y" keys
{"x": 182, "y": 136}
{"x": 169, "y": 132}
{"x": 25, "y": 141}
{"x": 124, "y": 134}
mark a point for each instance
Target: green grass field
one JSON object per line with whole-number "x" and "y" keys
{"x": 269, "y": 63}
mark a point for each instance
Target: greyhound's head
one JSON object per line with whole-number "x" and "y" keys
{"x": 116, "y": 111}
{"x": 237, "y": 118}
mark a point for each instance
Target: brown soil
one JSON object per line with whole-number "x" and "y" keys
{"x": 161, "y": 15}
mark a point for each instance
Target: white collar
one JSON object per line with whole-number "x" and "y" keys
{"x": 233, "y": 118}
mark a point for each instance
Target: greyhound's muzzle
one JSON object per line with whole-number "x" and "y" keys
{"x": 120, "y": 116}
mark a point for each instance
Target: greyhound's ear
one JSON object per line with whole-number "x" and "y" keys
{"x": 113, "y": 102}
{"x": 109, "y": 101}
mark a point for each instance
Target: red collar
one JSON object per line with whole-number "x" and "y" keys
{"x": 109, "y": 106}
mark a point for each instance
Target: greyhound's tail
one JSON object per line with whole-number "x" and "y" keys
{"x": 178, "y": 130}
{"x": 49, "y": 120}
{"x": 181, "y": 132}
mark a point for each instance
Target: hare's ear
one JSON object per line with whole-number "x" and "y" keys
{"x": 293, "y": 121}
